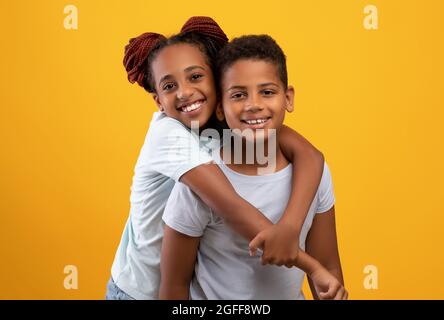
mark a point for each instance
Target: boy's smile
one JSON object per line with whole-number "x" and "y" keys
{"x": 254, "y": 97}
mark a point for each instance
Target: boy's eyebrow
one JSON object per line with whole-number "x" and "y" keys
{"x": 237, "y": 87}
{"x": 268, "y": 84}
{"x": 188, "y": 69}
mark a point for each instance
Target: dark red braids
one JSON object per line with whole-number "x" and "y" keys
{"x": 203, "y": 32}
{"x": 136, "y": 54}
{"x": 205, "y": 26}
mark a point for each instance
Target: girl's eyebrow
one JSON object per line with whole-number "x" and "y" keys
{"x": 188, "y": 69}
{"x": 191, "y": 68}
{"x": 167, "y": 77}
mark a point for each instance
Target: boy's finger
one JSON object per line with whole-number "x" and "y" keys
{"x": 329, "y": 294}
{"x": 339, "y": 294}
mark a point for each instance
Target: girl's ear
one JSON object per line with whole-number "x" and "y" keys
{"x": 220, "y": 112}
{"x": 157, "y": 100}
{"x": 289, "y": 96}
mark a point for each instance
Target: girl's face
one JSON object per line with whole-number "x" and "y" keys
{"x": 185, "y": 88}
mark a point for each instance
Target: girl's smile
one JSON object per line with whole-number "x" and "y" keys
{"x": 185, "y": 88}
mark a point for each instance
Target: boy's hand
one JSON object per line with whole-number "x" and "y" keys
{"x": 327, "y": 286}
{"x": 280, "y": 245}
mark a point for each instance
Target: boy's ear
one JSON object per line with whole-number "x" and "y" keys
{"x": 289, "y": 95}
{"x": 157, "y": 100}
{"x": 220, "y": 112}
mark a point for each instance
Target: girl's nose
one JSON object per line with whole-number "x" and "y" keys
{"x": 184, "y": 92}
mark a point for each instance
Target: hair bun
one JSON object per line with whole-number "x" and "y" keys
{"x": 205, "y": 26}
{"x": 136, "y": 53}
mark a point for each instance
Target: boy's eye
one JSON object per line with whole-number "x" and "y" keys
{"x": 267, "y": 92}
{"x": 196, "y": 76}
{"x": 237, "y": 95}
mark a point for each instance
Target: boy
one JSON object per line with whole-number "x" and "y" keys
{"x": 255, "y": 96}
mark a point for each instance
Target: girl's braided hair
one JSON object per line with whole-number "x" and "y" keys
{"x": 202, "y": 32}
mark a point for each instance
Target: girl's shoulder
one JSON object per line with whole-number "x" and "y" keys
{"x": 161, "y": 122}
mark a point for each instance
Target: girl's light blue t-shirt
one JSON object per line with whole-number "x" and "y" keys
{"x": 170, "y": 150}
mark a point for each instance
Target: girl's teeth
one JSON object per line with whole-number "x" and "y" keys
{"x": 192, "y": 107}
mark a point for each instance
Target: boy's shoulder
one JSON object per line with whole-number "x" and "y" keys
{"x": 186, "y": 212}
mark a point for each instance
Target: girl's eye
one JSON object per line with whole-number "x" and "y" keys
{"x": 168, "y": 86}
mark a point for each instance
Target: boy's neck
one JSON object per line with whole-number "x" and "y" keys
{"x": 271, "y": 160}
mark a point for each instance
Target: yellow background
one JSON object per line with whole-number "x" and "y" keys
{"x": 71, "y": 128}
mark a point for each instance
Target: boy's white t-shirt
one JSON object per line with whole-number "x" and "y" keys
{"x": 170, "y": 150}
{"x": 224, "y": 268}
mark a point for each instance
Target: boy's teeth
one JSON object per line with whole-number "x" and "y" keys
{"x": 256, "y": 121}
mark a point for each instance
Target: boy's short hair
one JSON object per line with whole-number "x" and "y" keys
{"x": 254, "y": 47}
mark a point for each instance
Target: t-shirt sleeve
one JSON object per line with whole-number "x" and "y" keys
{"x": 174, "y": 149}
{"x": 326, "y": 197}
{"x": 185, "y": 212}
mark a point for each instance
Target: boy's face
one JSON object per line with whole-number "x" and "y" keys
{"x": 254, "y": 97}
{"x": 185, "y": 88}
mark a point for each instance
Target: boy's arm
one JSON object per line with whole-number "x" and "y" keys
{"x": 177, "y": 264}
{"x": 308, "y": 164}
{"x": 322, "y": 245}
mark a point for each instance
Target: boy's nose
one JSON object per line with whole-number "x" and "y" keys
{"x": 253, "y": 104}
{"x": 253, "y": 107}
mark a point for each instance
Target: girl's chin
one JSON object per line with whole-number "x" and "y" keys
{"x": 196, "y": 123}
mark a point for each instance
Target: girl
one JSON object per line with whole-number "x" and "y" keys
{"x": 178, "y": 73}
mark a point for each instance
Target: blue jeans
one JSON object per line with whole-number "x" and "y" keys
{"x": 113, "y": 292}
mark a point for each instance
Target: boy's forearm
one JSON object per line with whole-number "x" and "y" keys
{"x": 337, "y": 273}
{"x": 308, "y": 165}
{"x": 307, "y": 263}
{"x": 313, "y": 289}
{"x": 173, "y": 292}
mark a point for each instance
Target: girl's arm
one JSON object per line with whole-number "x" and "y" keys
{"x": 322, "y": 245}
{"x": 177, "y": 264}
{"x": 212, "y": 186}
{"x": 308, "y": 166}
{"x": 281, "y": 242}
{"x": 236, "y": 212}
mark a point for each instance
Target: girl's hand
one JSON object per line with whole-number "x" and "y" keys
{"x": 280, "y": 245}
{"x": 327, "y": 286}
